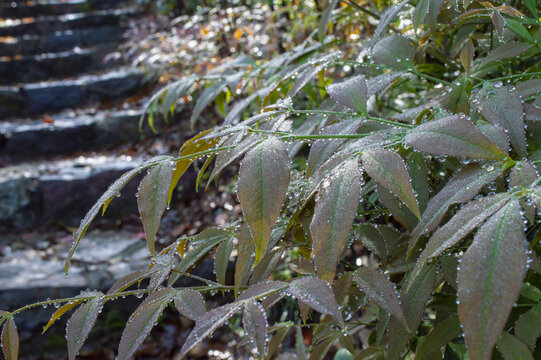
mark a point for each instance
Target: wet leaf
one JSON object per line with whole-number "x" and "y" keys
{"x": 351, "y": 93}
{"x": 324, "y": 20}
{"x": 262, "y": 289}
{"x": 189, "y": 303}
{"x": 10, "y": 340}
{"x": 141, "y": 322}
{"x": 312, "y": 69}
{"x": 529, "y": 87}
{"x": 370, "y": 353}
{"x": 433, "y": 11}
{"x": 372, "y": 239}
{"x": 245, "y": 257}
{"x": 457, "y": 99}
{"x": 513, "y": 349}
{"x": 466, "y": 55}
{"x": 527, "y": 327}
{"x": 255, "y": 324}
{"x": 453, "y": 135}
{"x": 503, "y": 107}
{"x": 206, "y": 97}
{"x": 335, "y": 209}
{"x": 266, "y": 266}
{"x": 317, "y": 294}
{"x": 395, "y": 52}
{"x": 277, "y": 339}
{"x": 465, "y": 220}
{"x": 262, "y": 188}
{"x": 207, "y": 323}
{"x": 130, "y": 279}
{"x": 163, "y": 265}
{"x": 461, "y": 188}
{"x": 522, "y": 174}
{"x": 380, "y": 290}
{"x": 496, "y": 134}
{"x": 518, "y": 28}
{"x": 498, "y": 21}
{"x": 389, "y": 170}
{"x": 221, "y": 259}
{"x": 58, "y": 313}
{"x": 441, "y": 334}
{"x": 81, "y": 323}
{"x": 419, "y": 14}
{"x": 531, "y": 5}
{"x": 385, "y": 20}
{"x": 506, "y": 51}
{"x": 489, "y": 279}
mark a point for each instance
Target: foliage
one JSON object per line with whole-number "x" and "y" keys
{"x": 419, "y": 143}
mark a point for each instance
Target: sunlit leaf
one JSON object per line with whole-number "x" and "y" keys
{"x": 317, "y": 294}
{"x": 527, "y": 327}
{"x": 141, "y": 322}
{"x": 489, "y": 279}
{"x": 189, "y": 303}
{"x": 81, "y": 323}
{"x": 351, "y": 93}
{"x": 513, "y": 349}
{"x": 59, "y": 312}
{"x": 441, "y": 334}
{"x": 10, "y": 340}
{"x": 389, "y": 170}
{"x": 380, "y": 290}
{"x": 255, "y": 324}
{"x": 395, "y": 52}
{"x": 335, "y": 210}
{"x": 221, "y": 259}
{"x": 262, "y": 188}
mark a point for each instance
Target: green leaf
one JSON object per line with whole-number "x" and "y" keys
{"x": 506, "y": 51}
{"x": 81, "y": 323}
{"x": 152, "y": 199}
{"x": 277, "y": 339}
{"x": 529, "y": 87}
{"x": 389, "y": 170}
{"x": 10, "y": 340}
{"x": 380, "y": 290}
{"x": 130, "y": 279}
{"x": 522, "y": 174}
{"x": 206, "y": 97}
{"x": 324, "y": 20}
{"x": 245, "y": 257}
{"x": 453, "y": 135}
{"x": 58, "y": 313}
{"x": 351, "y": 93}
{"x": 142, "y": 321}
{"x": 489, "y": 279}
{"x": 262, "y": 289}
{"x": 221, "y": 259}
{"x": 441, "y": 334}
{"x": 466, "y": 55}
{"x": 457, "y": 99}
{"x": 527, "y": 327}
{"x": 190, "y": 304}
{"x": 255, "y": 324}
{"x": 519, "y": 29}
{"x": 317, "y": 294}
{"x": 385, "y": 20}
{"x": 373, "y": 240}
{"x": 262, "y": 188}
{"x": 370, "y": 353}
{"x": 532, "y": 6}
{"x": 434, "y": 10}
{"x": 513, "y": 349}
{"x": 395, "y": 52}
{"x": 266, "y": 266}
{"x": 419, "y": 13}
{"x": 334, "y": 212}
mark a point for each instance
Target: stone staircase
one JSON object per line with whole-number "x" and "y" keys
{"x": 63, "y": 112}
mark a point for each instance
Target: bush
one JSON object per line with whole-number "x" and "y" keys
{"x": 419, "y": 145}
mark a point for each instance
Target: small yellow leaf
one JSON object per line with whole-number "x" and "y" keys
{"x": 237, "y": 34}
{"x": 61, "y": 311}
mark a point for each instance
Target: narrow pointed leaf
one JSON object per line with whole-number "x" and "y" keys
{"x": 61, "y": 311}
{"x": 262, "y": 290}
{"x": 351, "y": 93}
{"x": 262, "y": 188}
{"x": 496, "y": 134}
{"x": 266, "y": 266}
{"x": 380, "y": 290}
{"x": 506, "y": 51}
{"x": 317, "y": 294}
{"x": 152, "y": 199}
{"x": 499, "y": 105}
{"x": 527, "y": 327}
{"x": 10, "y": 340}
{"x": 440, "y": 335}
{"x": 395, "y": 52}
{"x": 245, "y": 257}
{"x": 529, "y": 87}
{"x": 163, "y": 266}
{"x": 205, "y": 98}
{"x": 466, "y": 55}
{"x": 334, "y": 213}
{"x": 142, "y": 321}
{"x": 489, "y": 279}
{"x": 190, "y": 303}
{"x": 130, "y": 279}
{"x": 420, "y": 12}
{"x": 81, "y": 323}
{"x": 372, "y": 239}
{"x": 255, "y": 324}
{"x": 522, "y": 174}
{"x": 324, "y": 20}
{"x": 207, "y": 323}
{"x": 454, "y": 135}
{"x": 513, "y": 349}
{"x": 377, "y": 84}
{"x": 433, "y": 11}
{"x": 221, "y": 259}
{"x": 389, "y": 170}
{"x": 385, "y": 20}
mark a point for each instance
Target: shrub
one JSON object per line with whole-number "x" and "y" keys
{"x": 422, "y": 144}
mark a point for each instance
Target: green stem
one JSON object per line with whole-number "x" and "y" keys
{"x": 430, "y": 77}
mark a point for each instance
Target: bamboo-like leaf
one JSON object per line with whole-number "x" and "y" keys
{"x": 61, "y": 311}
{"x": 262, "y": 289}
{"x": 518, "y": 28}
{"x": 207, "y": 323}
{"x": 496, "y": 134}
{"x": 190, "y": 303}
{"x": 221, "y": 259}
{"x": 372, "y": 239}
{"x": 317, "y": 294}
{"x": 370, "y": 353}
{"x": 206, "y": 97}
{"x": 499, "y": 22}
{"x": 324, "y": 20}
{"x": 420, "y": 12}
{"x": 531, "y": 5}
{"x": 334, "y": 213}
{"x": 81, "y": 323}
{"x": 489, "y": 279}
{"x": 262, "y": 188}
{"x": 389, "y": 170}
{"x": 440, "y": 335}
{"x": 245, "y": 257}
{"x": 464, "y": 221}
{"x": 130, "y": 279}
{"x": 10, "y": 340}
{"x": 393, "y": 204}
{"x": 277, "y": 339}
{"x": 433, "y": 11}
{"x": 506, "y": 51}
{"x": 513, "y": 349}
{"x": 461, "y": 188}
{"x": 255, "y": 324}
{"x": 351, "y": 93}
{"x": 503, "y": 107}
{"x": 466, "y": 55}
{"x": 453, "y": 135}
{"x": 457, "y": 99}
{"x": 380, "y": 290}
{"x": 311, "y": 70}
{"x": 141, "y": 322}
{"x": 377, "y": 84}
{"x": 385, "y": 20}
{"x": 152, "y": 199}
{"x": 527, "y": 327}
{"x": 266, "y": 266}
{"x": 395, "y": 52}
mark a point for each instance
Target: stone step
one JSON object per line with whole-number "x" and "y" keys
{"x": 32, "y": 68}
{"x": 60, "y": 41}
{"x": 41, "y": 8}
{"x": 38, "y": 98}
{"x": 49, "y": 24}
